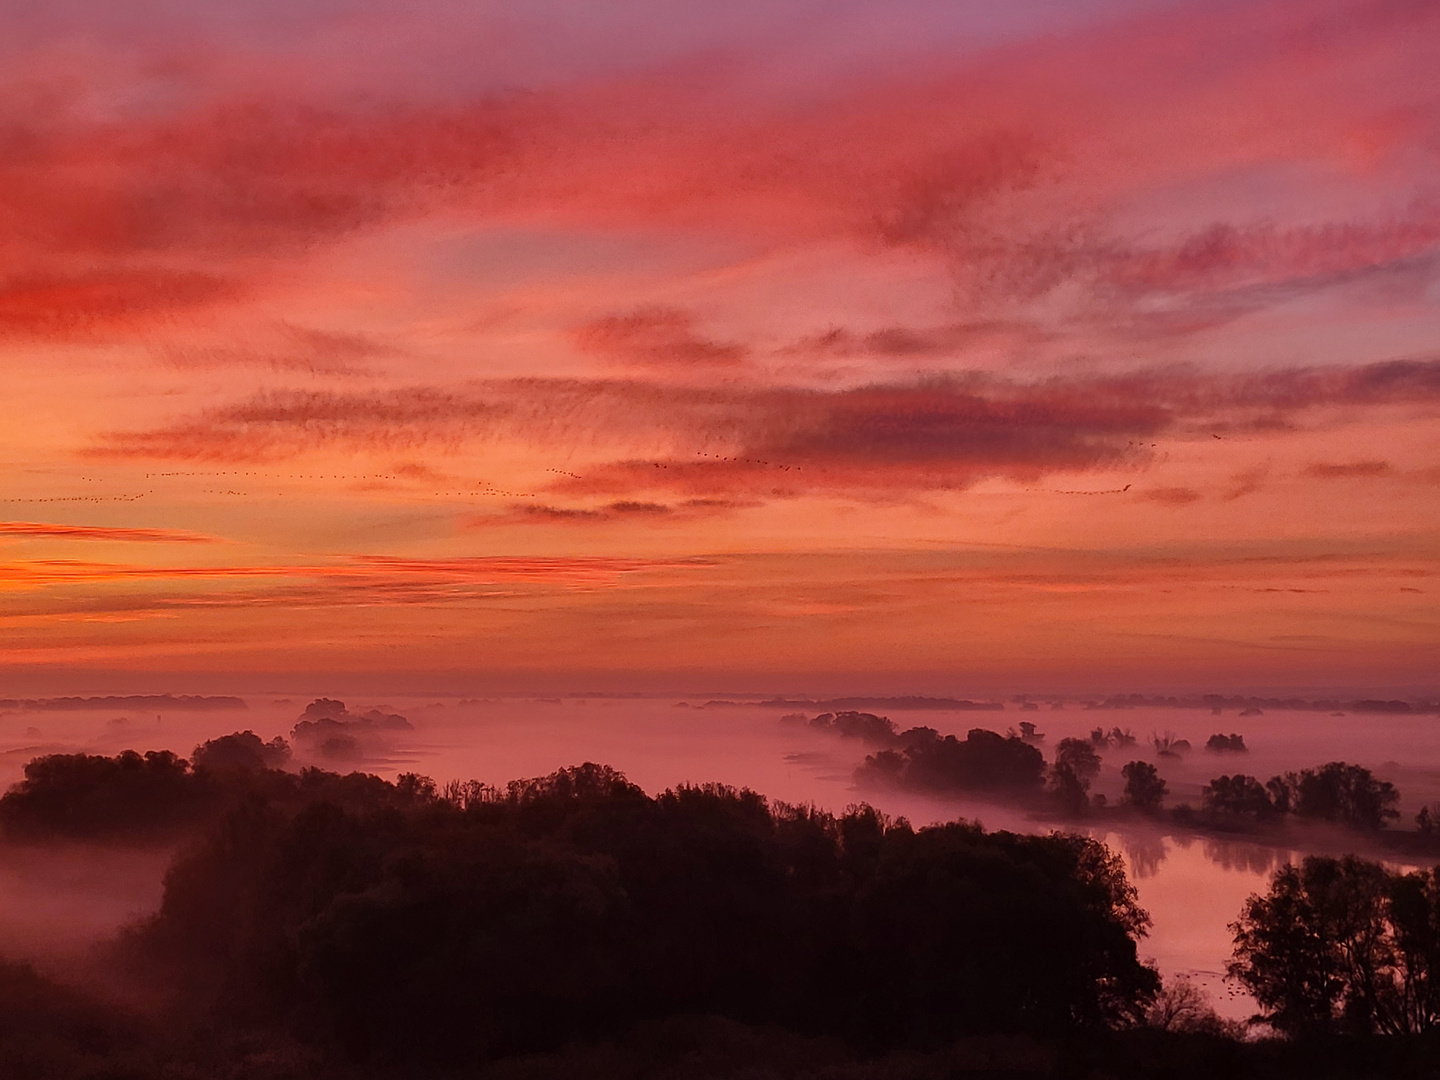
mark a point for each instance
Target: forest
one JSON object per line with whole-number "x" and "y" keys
{"x": 315, "y": 924}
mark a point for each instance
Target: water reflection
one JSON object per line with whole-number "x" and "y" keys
{"x": 1144, "y": 852}
{"x": 1243, "y": 856}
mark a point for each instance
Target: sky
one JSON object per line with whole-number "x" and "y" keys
{"x": 913, "y": 346}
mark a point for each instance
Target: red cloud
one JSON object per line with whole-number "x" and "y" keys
{"x": 378, "y": 571}
{"x": 655, "y": 337}
{"x": 66, "y": 306}
{"x": 49, "y": 531}
{"x": 1344, "y": 470}
{"x": 928, "y": 434}
{"x": 1009, "y": 164}
{"x": 619, "y": 511}
{"x": 1169, "y": 496}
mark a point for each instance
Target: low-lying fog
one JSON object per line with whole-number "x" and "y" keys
{"x": 56, "y": 901}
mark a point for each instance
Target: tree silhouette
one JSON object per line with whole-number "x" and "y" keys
{"x": 1238, "y": 795}
{"x": 574, "y": 905}
{"x": 1342, "y": 793}
{"x": 1342, "y": 945}
{"x": 1075, "y": 766}
{"x": 1144, "y": 789}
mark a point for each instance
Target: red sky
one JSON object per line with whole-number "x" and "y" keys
{"x": 917, "y": 345}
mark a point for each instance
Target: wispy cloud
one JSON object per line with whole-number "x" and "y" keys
{"x": 922, "y": 434}
{"x": 41, "y": 530}
{"x": 656, "y": 337}
{"x": 1344, "y": 470}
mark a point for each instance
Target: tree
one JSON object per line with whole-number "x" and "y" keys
{"x": 1238, "y": 795}
{"x": 444, "y": 933}
{"x": 1342, "y": 945}
{"x": 982, "y": 761}
{"x": 1144, "y": 788}
{"x": 243, "y": 750}
{"x": 89, "y": 796}
{"x": 1226, "y": 744}
{"x": 1076, "y": 765}
{"x": 1345, "y": 794}
{"x": 1182, "y": 1006}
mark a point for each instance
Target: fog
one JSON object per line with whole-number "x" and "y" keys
{"x": 56, "y": 901}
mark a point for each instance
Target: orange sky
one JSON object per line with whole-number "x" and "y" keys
{"x": 956, "y": 347}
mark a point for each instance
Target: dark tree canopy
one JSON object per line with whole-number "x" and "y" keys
{"x": 158, "y": 796}
{"x": 1075, "y": 766}
{"x": 243, "y": 750}
{"x": 1342, "y": 793}
{"x": 1238, "y": 795}
{"x": 1144, "y": 788}
{"x": 1226, "y": 744}
{"x": 575, "y": 905}
{"x": 1343, "y": 945}
{"x": 984, "y": 761}
{"x": 86, "y": 795}
{"x": 867, "y": 727}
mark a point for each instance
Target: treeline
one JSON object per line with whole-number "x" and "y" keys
{"x": 397, "y": 924}
{"x": 986, "y": 763}
{"x": 1392, "y": 706}
{"x": 327, "y": 926}
{"x": 183, "y": 702}
{"x": 1338, "y": 793}
{"x": 159, "y": 797}
{"x": 575, "y": 905}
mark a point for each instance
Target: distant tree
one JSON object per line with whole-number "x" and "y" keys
{"x": 1345, "y": 794}
{"x": 1342, "y": 945}
{"x": 1281, "y": 793}
{"x": 1239, "y": 795}
{"x": 1169, "y": 744}
{"x": 1075, "y": 766}
{"x": 867, "y": 727}
{"x": 242, "y": 750}
{"x": 1144, "y": 788}
{"x": 157, "y": 795}
{"x": 1226, "y": 744}
{"x": 91, "y": 796}
{"x": 982, "y": 761}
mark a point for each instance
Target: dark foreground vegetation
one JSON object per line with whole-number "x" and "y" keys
{"x": 317, "y": 925}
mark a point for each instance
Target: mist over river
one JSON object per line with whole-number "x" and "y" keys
{"x": 55, "y": 901}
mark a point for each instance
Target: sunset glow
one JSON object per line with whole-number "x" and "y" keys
{"x": 914, "y": 347}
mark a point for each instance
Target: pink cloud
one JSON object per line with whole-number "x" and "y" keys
{"x": 776, "y": 441}
{"x": 50, "y": 531}
{"x": 655, "y": 337}
{"x": 1324, "y": 470}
